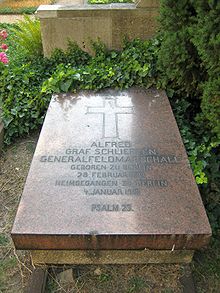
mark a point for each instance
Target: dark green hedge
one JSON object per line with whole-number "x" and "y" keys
{"x": 189, "y": 69}
{"x": 189, "y": 59}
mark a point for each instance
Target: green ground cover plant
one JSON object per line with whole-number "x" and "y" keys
{"x": 27, "y": 83}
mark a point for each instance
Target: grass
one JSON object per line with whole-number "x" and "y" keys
{"x": 136, "y": 283}
{"x": 206, "y": 269}
{"x": 15, "y": 266}
{"x": 6, "y": 270}
{"x": 117, "y": 279}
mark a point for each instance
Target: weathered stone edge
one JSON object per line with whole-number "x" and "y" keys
{"x": 110, "y": 256}
{"x": 52, "y": 11}
{"x": 128, "y": 242}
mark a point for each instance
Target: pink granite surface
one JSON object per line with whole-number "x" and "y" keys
{"x": 110, "y": 172}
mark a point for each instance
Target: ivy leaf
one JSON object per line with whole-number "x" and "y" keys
{"x": 65, "y": 86}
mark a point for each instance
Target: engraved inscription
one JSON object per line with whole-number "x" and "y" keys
{"x": 112, "y": 208}
{"x": 110, "y": 169}
{"x": 111, "y": 164}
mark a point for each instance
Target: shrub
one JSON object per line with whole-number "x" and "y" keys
{"x": 189, "y": 56}
{"x": 205, "y": 35}
{"x": 23, "y": 107}
{"x": 189, "y": 67}
{"x": 179, "y": 63}
{"x": 28, "y": 36}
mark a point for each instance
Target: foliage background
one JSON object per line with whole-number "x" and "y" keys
{"x": 189, "y": 70}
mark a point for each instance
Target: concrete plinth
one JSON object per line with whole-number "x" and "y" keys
{"x": 79, "y": 257}
{"x": 84, "y": 23}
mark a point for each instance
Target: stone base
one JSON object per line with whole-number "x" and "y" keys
{"x": 83, "y": 257}
{"x": 84, "y": 23}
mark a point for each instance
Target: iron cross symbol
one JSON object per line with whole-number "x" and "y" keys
{"x": 110, "y": 111}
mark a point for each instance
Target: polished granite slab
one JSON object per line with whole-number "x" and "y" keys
{"x": 110, "y": 172}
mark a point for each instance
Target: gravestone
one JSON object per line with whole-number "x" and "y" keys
{"x": 110, "y": 172}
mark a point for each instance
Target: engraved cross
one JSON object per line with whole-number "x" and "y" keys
{"x": 110, "y": 111}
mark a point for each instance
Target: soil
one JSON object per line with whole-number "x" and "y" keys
{"x": 118, "y": 279}
{"x": 16, "y": 267}
{"x": 10, "y": 18}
